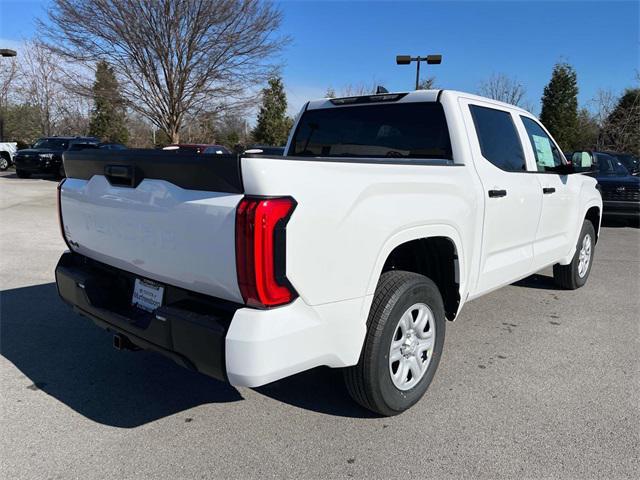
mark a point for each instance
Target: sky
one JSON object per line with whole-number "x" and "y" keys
{"x": 340, "y": 43}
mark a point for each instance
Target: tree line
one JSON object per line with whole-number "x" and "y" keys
{"x": 153, "y": 72}
{"x": 142, "y": 71}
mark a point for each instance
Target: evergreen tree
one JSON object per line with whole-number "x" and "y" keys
{"x": 273, "y": 125}
{"x": 560, "y": 106}
{"x": 108, "y": 115}
{"x": 621, "y": 130}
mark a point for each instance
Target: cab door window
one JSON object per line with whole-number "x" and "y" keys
{"x": 547, "y": 154}
{"x": 498, "y": 137}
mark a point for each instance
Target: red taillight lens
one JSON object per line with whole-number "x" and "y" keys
{"x": 261, "y": 250}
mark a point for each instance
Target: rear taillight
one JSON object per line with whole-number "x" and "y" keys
{"x": 59, "y": 209}
{"x": 261, "y": 250}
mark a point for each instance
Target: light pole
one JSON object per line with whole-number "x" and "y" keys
{"x": 407, "y": 59}
{"x": 4, "y": 52}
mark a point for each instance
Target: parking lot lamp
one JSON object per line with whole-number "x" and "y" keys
{"x": 407, "y": 59}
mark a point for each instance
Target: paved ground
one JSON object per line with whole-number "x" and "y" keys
{"x": 534, "y": 383}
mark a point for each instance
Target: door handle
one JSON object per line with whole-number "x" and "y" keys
{"x": 497, "y": 193}
{"x": 548, "y": 190}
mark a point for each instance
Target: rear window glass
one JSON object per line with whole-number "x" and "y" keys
{"x": 498, "y": 137}
{"x": 405, "y": 130}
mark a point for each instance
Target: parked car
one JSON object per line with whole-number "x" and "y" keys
{"x": 631, "y": 162}
{"x": 45, "y": 156}
{"x": 386, "y": 215}
{"x": 265, "y": 150}
{"x": 7, "y": 152}
{"x": 620, "y": 189}
{"x": 112, "y": 146}
{"x": 197, "y": 148}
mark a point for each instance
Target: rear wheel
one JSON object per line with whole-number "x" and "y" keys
{"x": 575, "y": 274}
{"x": 22, "y": 173}
{"x": 402, "y": 349}
{"x": 4, "y": 163}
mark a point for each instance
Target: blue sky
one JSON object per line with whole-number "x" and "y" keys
{"x": 341, "y": 43}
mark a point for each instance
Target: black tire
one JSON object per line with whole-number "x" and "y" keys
{"x": 568, "y": 276}
{"x": 22, "y": 174}
{"x": 61, "y": 173}
{"x": 369, "y": 382}
{"x": 4, "y": 162}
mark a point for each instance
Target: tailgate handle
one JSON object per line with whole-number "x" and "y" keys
{"x": 123, "y": 175}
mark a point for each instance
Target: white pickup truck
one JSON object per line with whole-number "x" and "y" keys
{"x": 387, "y": 213}
{"x": 7, "y": 152}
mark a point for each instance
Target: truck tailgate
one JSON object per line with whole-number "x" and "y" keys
{"x": 164, "y": 216}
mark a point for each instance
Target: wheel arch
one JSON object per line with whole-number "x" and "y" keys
{"x": 594, "y": 215}
{"x": 434, "y": 251}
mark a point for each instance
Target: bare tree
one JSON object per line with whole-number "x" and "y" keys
{"x": 40, "y": 84}
{"x": 172, "y": 57}
{"x": 8, "y": 73}
{"x": 427, "y": 83}
{"x": 503, "y": 88}
{"x": 358, "y": 89}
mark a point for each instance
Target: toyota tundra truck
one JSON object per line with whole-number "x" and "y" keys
{"x": 386, "y": 214}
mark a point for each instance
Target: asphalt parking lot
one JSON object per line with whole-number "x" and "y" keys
{"x": 534, "y": 383}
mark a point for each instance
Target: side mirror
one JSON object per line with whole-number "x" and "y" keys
{"x": 583, "y": 161}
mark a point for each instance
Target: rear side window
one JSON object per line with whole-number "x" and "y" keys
{"x": 547, "y": 155}
{"x": 499, "y": 140}
{"x": 401, "y": 130}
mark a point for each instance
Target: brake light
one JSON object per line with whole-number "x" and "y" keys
{"x": 261, "y": 250}
{"x": 59, "y": 209}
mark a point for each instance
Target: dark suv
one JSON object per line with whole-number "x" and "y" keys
{"x": 619, "y": 188}
{"x": 45, "y": 156}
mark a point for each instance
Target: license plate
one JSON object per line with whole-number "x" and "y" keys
{"x": 147, "y": 295}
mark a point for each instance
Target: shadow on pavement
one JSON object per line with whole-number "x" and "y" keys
{"x": 537, "y": 280}
{"x": 614, "y": 222}
{"x": 36, "y": 176}
{"x": 69, "y": 358}
{"x": 321, "y": 390}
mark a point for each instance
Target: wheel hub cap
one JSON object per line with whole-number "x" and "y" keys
{"x": 412, "y": 346}
{"x": 584, "y": 257}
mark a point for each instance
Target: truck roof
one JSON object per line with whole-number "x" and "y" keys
{"x": 404, "y": 97}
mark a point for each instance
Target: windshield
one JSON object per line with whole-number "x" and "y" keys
{"x": 51, "y": 143}
{"x": 608, "y": 165}
{"x": 632, "y": 163}
{"x": 404, "y": 130}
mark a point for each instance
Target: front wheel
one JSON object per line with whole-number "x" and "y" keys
{"x": 4, "y": 163}
{"x": 574, "y": 275}
{"x": 22, "y": 173}
{"x": 404, "y": 342}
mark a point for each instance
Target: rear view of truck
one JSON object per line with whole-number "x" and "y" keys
{"x": 165, "y": 248}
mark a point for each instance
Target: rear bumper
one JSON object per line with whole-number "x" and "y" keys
{"x": 227, "y": 341}
{"x": 629, "y": 209}
{"x": 188, "y": 329}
